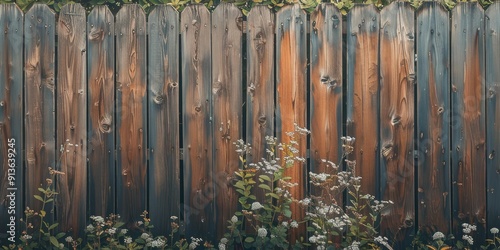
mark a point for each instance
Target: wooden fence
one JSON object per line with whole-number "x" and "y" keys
{"x": 140, "y": 118}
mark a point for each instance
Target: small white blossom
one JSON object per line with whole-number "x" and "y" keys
{"x": 26, "y": 237}
{"x": 256, "y": 205}
{"x": 112, "y": 231}
{"x": 144, "y": 235}
{"x": 140, "y": 223}
{"x": 262, "y": 232}
{"x": 469, "y": 239}
{"x": 285, "y": 224}
{"x": 128, "y": 240}
{"x": 61, "y": 245}
{"x": 124, "y": 231}
{"x": 494, "y": 230}
{"x": 223, "y": 240}
{"x": 234, "y": 219}
{"x": 69, "y": 239}
{"x": 437, "y": 236}
{"x": 222, "y": 246}
{"x": 90, "y": 228}
{"x": 97, "y": 219}
{"x": 173, "y": 217}
{"x": 294, "y": 224}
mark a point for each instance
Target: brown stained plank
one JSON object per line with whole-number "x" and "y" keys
{"x": 101, "y": 101}
{"x": 197, "y": 127}
{"x": 131, "y": 111}
{"x": 397, "y": 75}
{"x": 260, "y": 80}
{"x": 492, "y": 43}
{"x": 72, "y": 118}
{"x": 468, "y": 117}
{"x": 11, "y": 117}
{"x": 291, "y": 85}
{"x": 163, "y": 104}
{"x": 432, "y": 125}
{"x": 40, "y": 126}
{"x": 362, "y": 92}
{"x": 326, "y": 89}
{"x": 227, "y": 73}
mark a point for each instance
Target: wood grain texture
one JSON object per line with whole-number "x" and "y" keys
{"x": 362, "y": 92}
{"x": 397, "y": 78}
{"x": 468, "y": 116}
{"x": 72, "y": 118}
{"x": 433, "y": 127}
{"x": 101, "y": 108}
{"x": 326, "y": 88}
{"x": 492, "y": 46}
{"x": 40, "y": 119}
{"x": 196, "y": 66}
{"x": 163, "y": 105}
{"x": 131, "y": 112}
{"x": 291, "y": 85}
{"x": 260, "y": 80}
{"x": 11, "y": 116}
{"x": 227, "y": 76}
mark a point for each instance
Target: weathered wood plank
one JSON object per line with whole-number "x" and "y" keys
{"x": 433, "y": 127}
{"x": 468, "y": 117}
{"x": 362, "y": 92}
{"x": 492, "y": 43}
{"x": 227, "y": 76}
{"x": 260, "y": 80}
{"x": 40, "y": 126}
{"x": 291, "y": 85}
{"x": 397, "y": 76}
{"x": 72, "y": 118}
{"x": 197, "y": 126}
{"x": 163, "y": 104}
{"x": 326, "y": 89}
{"x": 101, "y": 103}
{"x": 131, "y": 111}
{"x": 11, "y": 119}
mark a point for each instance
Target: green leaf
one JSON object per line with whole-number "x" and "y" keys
{"x": 265, "y": 187}
{"x": 38, "y": 197}
{"x": 249, "y": 239}
{"x": 53, "y": 226}
{"x": 43, "y": 213}
{"x": 60, "y": 235}
{"x": 263, "y": 178}
{"x": 119, "y": 224}
{"x": 54, "y": 241}
{"x": 240, "y": 184}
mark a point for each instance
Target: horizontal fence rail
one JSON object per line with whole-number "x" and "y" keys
{"x": 140, "y": 111}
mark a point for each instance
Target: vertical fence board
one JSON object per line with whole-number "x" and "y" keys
{"x": 397, "y": 75}
{"x": 227, "y": 30}
{"x": 260, "y": 81}
{"x": 101, "y": 103}
{"x": 131, "y": 111}
{"x": 362, "y": 92}
{"x": 492, "y": 43}
{"x": 326, "y": 89}
{"x": 291, "y": 85}
{"x": 433, "y": 125}
{"x": 40, "y": 130}
{"x": 163, "y": 105}
{"x": 11, "y": 117}
{"x": 468, "y": 118}
{"x": 197, "y": 126}
{"x": 72, "y": 118}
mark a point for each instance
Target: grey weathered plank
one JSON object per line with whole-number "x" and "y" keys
{"x": 131, "y": 112}
{"x": 196, "y": 66}
{"x": 492, "y": 46}
{"x": 432, "y": 126}
{"x": 362, "y": 92}
{"x": 291, "y": 85}
{"x": 101, "y": 103}
{"x": 397, "y": 75}
{"x": 468, "y": 117}
{"x": 163, "y": 105}
{"x": 40, "y": 121}
{"x": 326, "y": 88}
{"x": 227, "y": 74}
{"x": 11, "y": 117}
{"x": 72, "y": 118}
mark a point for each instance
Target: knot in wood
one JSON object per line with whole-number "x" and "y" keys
{"x": 173, "y": 85}
{"x": 96, "y": 34}
{"x": 159, "y": 99}
{"x": 262, "y": 120}
{"x": 197, "y": 108}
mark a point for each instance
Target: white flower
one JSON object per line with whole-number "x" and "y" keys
{"x": 173, "y": 217}
{"x": 223, "y": 240}
{"x": 234, "y": 219}
{"x": 222, "y": 246}
{"x": 305, "y": 201}
{"x": 285, "y": 224}
{"x": 140, "y": 223}
{"x": 437, "y": 236}
{"x": 128, "y": 240}
{"x": 256, "y": 205}
{"x": 294, "y": 224}
{"x": 61, "y": 245}
{"x": 69, "y": 239}
{"x": 26, "y": 237}
{"x": 97, "y": 219}
{"x": 158, "y": 243}
{"x": 494, "y": 230}
{"x": 193, "y": 245}
{"x": 90, "y": 228}
{"x": 262, "y": 232}
{"x": 124, "y": 231}
{"x": 144, "y": 235}
{"x": 112, "y": 231}
{"x": 469, "y": 239}
{"x": 313, "y": 239}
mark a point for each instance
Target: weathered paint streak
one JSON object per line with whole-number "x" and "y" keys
{"x": 433, "y": 128}
{"x": 492, "y": 43}
{"x": 196, "y": 66}
{"x": 72, "y": 118}
{"x": 291, "y": 85}
{"x": 131, "y": 109}
{"x": 163, "y": 104}
{"x": 397, "y": 75}
{"x": 468, "y": 116}
{"x": 362, "y": 92}
{"x": 227, "y": 71}
{"x": 101, "y": 102}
